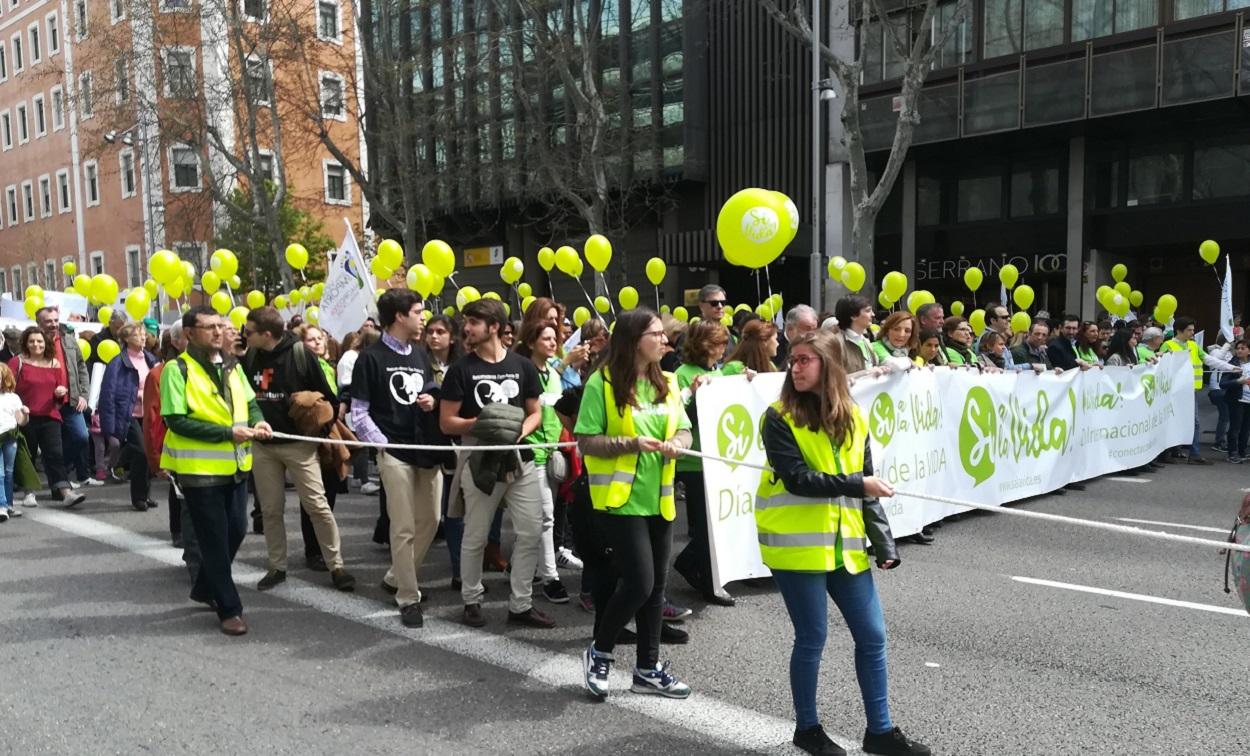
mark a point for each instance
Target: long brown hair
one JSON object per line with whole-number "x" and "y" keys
{"x": 829, "y": 406}
{"x": 623, "y": 358}
{"x": 751, "y": 350}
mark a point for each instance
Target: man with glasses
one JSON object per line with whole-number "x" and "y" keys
{"x": 998, "y": 319}
{"x": 712, "y": 303}
{"x": 211, "y": 418}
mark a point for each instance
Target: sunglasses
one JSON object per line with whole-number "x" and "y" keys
{"x": 715, "y": 302}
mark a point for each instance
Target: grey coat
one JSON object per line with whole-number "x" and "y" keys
{"x": 79, "y": 378}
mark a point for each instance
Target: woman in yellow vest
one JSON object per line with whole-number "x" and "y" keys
{"x": 816, "y": 513}
{"x": 630, "y": 428}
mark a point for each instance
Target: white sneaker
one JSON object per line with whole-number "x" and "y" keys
{"x": 76, "y": 485}
{"x": 370, "y": 488}
{"x": 15, "y": 512}
{"x": 30, "y": 502}
{"x": 566, "y": 559}
{"x": 93, "y": 482}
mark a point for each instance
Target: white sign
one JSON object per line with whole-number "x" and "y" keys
{"x": 988, "y": 439}
{"x": 348, "y": 293}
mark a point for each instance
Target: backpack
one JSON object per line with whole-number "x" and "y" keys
{"x": 1237, "y": 563}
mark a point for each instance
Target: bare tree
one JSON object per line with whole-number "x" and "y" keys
{"x": 916, "y": 49}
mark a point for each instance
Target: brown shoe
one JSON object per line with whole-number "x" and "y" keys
{"x": 492, "y": 559}
{"x": 473, "y": 615}
{"x": 531, "y": 618}
{"x": 343, "y": 580}
{"x": 234, "y": 626}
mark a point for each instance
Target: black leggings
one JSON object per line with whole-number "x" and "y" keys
{"x": 43, "y": 436}
{"x": 695, "y": 561}
{"x": 135, "y": 460}
{"x": 640, "y": 551}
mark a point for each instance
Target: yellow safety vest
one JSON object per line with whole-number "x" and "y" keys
{"x": 1195, "y": 356}
{"x": 809, "y": 534}
{"x": 612, "y": 478}
{"x": 189, "y": 456}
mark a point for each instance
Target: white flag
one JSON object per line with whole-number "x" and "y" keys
{"x": 1226, "y": 302}
{"x": 345, "y": 302}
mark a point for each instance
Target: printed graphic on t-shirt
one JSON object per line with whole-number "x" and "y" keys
{"x": 261, "y": 381}
{"x": 496, "y": 388}
{"x": 405, "y": 384}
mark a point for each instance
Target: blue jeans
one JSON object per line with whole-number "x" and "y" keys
{"x": 8, "y": 454}
{"x": 453, "y": 528}
{"x": 856, "y": 597}
{"x": 74, "y": 442}
{"x": 1194, "y": 450}
{"x": 1221, "y": 405}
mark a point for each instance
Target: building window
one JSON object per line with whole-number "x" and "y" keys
{"x": 4, "y": 61}
{"x": 134, "y": 267}
{"x": 17, "y": 278}
{"x": 45, "y": 196}
{"x": 254, "y": 9}
{"x": 338, "y": 192}
{"x": 32, "y": 274}
{"x": 91, "y": 171}
{"x": 28, "y": 202}
{"x": 41, "y": 116}
{"x": 332, "y": 96}
{"x": 126, "y": 163}
{"x": 86, "y": 96}
{"x": 328, "y": 21}
{"x": 4, "y": 280}
{"x": 175, "y": 5}
{"x": 62, "y": 191}
{"x": 19, "y": 62}
{"x": 258, "y": 88}
{"x": 265, "y": 167}
{"x": 1034, "y": 190}
{"x": 49, "y": 275}
{"x": 1220, "y": 170}
{"x": 1183, "y": 9}
{"x": 117, "y": 10}
{"x": 36, "y": 46}
{"x": 58, "y": 108}
{"x": 54, "y": 33}
{"x": 6, "y": 129}
{"x": 96, "y": 262}
{"x": 979, "y": 198}
{"x": 10, "y": 199}
{"x": 121, "y": 80}
{"x": 179, "y": 72}
{"x": 23, "y": 126}
{"x": 1013, "y": 26}
{"x": 1156, "y": 176}
{"x": 80, "y": 19}
{"x": 185, "y": 165}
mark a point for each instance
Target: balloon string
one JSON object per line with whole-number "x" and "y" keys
{"x": 768, "y": 280}
{"x": 657, "y": 298}
{"x": 586, "y": 294}
{"x": 607, "y": 293}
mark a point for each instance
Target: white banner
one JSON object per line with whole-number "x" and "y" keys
{"x": 988, "y": 439}
{"x": 348, "y": 293}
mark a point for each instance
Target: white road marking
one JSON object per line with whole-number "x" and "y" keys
{"x": 1125, "y": 479}
{"x": 933, "y": 665}
{"x": 1133, "y": 596}
{"x": 723, "y": 721}
{"x": 1203, "y": 528}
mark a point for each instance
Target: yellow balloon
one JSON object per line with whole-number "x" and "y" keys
{"x": 104, "y": 315}
{"x": 466, "y": 295}
{"x": 1122, "y": 288}
{"x": 1210, "y": 251}
{"x": 957, "y": 308}
{"x": 1008, "y": 275}
{"x": 420, "y": 279}
{"x": 439, "y": 283}
{"x": 255, "y": 299}
{"x": 1135, "y": 298}
{"x": 296, "y": 296}
{"x": 918, "y": 298}
{"x": 69, "y": 269}
{"x": 764, "y": 310}
{"x": 894, "y": 285}
{"x": 973, "y": 277}
{"x": 103, "y": 289}
{"x": 318, "y": 290}
{"x": 977, "y": 321}
{"x": 681, "y": 314}
{"x": 852, "y": 276}
{"x": 32, "y": 305}
{"x": 1020, "y": 322}
{"x": 580, "y": 316}
{"x": 34, "y": 290}
{"x": 188, "y": 273}
{"x": 1023, "y": 296}
{"x": 280, "y": 302}
{"x": 82, "y": 285}
{"x": 656, "y": 269}
{"x": 312, "y": 314}
{"x": 238, "y": 316}
{"x": 884, "y": 301}
{"x": 108, "y": 349}
{"x": 526, "y": 302}
{"x": 391, "y": 253}
{"x": 524, "y": 290}
{"x": 727, "y": 320}
{"x": 492, "y": 295}
{"x": 547, "y": 258}
{"x": 1118, "y": 272}
{"x": 165, "y": 266}
{"x": 210, "y": 282}
{"x": 598, "y": 252}
{"x": 174, "y": 288}
{"x": 742, "y": 307}
{"x": 1167, "y": 303}
{"x": 150, "y": 287}
{"x": 84, "y": 346}
{"x": 665, "y": 310}
{"x": 753, "y": 228}
{"x": 138, "y": 303}
{"x": 235, "y": 282}
{"x": 220, "y": 302}
{"x": 512, "y": 270}
{"x": 438, "y": 257}
{"x": 379, "y": 268}
{"x": 296, "y": 256}
{"x": 628, "y": 297}
{"x": 224, "y": 263}
{"x": 568, "y": 262}
{"x": 602, "y": 304}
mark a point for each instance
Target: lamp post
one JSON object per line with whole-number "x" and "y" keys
{"x": 822, "y": 92}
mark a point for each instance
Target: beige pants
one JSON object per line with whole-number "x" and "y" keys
{"x": 270, "y": 466}
{"x": 414, "y": 498}
{"x": 525, "y": 503}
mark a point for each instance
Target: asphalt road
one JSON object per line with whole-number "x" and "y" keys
{"x": 102, "y": 653}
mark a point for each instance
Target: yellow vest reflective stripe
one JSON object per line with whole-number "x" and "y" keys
{"x": 810, "y": 534}
{"x": 612, "y": 478}
{"x": 189, "y": 456}
{"x": 1195, "y": 356}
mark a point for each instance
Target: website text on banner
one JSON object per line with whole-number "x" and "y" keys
{"x": 989, "y": 439}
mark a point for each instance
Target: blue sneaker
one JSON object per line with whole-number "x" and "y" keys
{"x": 659, "y": 682}
{"x": 596, "y": 666}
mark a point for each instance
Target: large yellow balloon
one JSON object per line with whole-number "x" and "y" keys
{"x": 977, "y": 321}
{"x": 107, "y": 350}
{"x": 836, "y": 264}
{"x": 438, "y": 257}
{"x": 380, "y": 269}
{"x": 580, "y": 316}
{"x": 238, "y": 316}
{"x": 598, "y": 252}
{"x": 312, "y": 315}
{"x": 280, "y": 302}
{"x": 32, "y": 305}
{"x": 1167, "y": 305}
{"x": 1135, "y": 298}
{"x": 547, "y": 258}
{"x": 82, "y": 285}
{"x": 234, "y": 282}
{"x": 34, "y": 290}
{"x": 1123, "y": 288}
{"x": 224, "y": 263}
{"x": 1023, "y": 296}
{"x": 628, "y": 297}
{"x": 602, "y": 304}
{"x": 681, "y": 313}
{"x": 656, "y": 270}
{"x": 1008, "y": 275}
{"x": 138, "y": 303}
{"x": 1020, "y": 322}
{"x": 420, "y": 279}
{"x": 391, "y": 253}
{"x": 164, "y": 266}
{"x": 917, "y": 299}
{"x": 1210, "y": 251}
{"x": 104, "y": 315}
{"x": 752, "y": 228}
{"x": 296, "y": 296}
{"x": 466, "y": 295}
{"x": 512, "y": 270}
{"x": 210, "y": 282}
{"x": 894, "y": 285}
{"x": 103, "y": 289}
{"x": 188, "y": 273}
{"x": 524, "y": 290}
{"x": 69, "y": 269}
{"x": 973, "y": 277}
{"x": 220, "y": 302}
{"x": 853, "y": 276}
{"x": 84, "y": 346}
{"x": 526, "y": 302}
{"x": 296, "y": 256}
{"x": 174, "y": 288}
{"x": 255, "y": 299}
{"x": 1118, "y": 272}
{"x": 884, "y": 301}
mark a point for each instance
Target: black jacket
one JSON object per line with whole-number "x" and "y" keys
{"x": 276, "y": 374}
{"x": 1021, "y": 354}
{"x": 1062, "y": 353}
{"x": 787, "y": 462}
{"x": 1229, "y": 384}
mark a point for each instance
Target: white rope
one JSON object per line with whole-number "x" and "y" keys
{"x": 1096, "y": 524}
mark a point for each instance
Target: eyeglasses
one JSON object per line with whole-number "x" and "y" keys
{"x": 803, "y": 360}
{"x": 655, "y": 334}
{"x": 714, "y": 302}
{"x": 965, "y": 329}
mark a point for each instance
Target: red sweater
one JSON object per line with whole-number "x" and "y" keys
{"x": 153, "y": 423}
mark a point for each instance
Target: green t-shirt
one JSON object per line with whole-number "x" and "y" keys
{"x": 650, "y": 419}
{"x": 548, "y": 431}
{"x": 685, "y": 377}
{"x": 331, "y": 376}
{"x": 1144, "y": 354}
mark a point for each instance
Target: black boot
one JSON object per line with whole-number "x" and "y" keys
{"x": 813, "y": 740}
{"x": 893, "y": 743}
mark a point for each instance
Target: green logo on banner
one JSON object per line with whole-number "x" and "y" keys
{"x": 976, "y": 435}
{"x": 1148, "y": 389}
{"x": 734, "y": 432}
{"x": 881, "y": 419}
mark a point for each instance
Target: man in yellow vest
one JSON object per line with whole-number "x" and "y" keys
{"x": 1183, "y": 341}
{"x": 211, "y": 417}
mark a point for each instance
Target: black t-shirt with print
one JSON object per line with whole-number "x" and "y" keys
{"x": 390, "y": 382}
{"x": 474, "y": 383}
